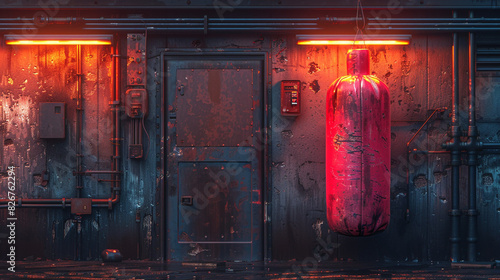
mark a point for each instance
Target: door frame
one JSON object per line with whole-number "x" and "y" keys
{"x": 264, "y": 56}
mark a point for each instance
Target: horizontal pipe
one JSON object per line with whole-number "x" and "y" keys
{"x": 429, "y": 152}
{"x": 149, "y": 29}
{"x": 436, "y": 29}
{"x": 61, "y": 202}
{"x": 210, "y": 25}
{"x": 435, "y": 24}
{"x": 267, "y": 29}
{"x": 439, "y": 19}
{"x": 146, "y": 20}
{"x": 490, "y": 145}
{"x": 260, "y": 24}
{"x": 33, "y": 205}
{"x": 98, "y": 172}
{"x": 228, "y": 20}
{"x": 459, "y": 152}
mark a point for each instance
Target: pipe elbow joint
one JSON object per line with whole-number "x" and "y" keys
{"x": 452, "y": 145}
{"x": 473, "y": 132}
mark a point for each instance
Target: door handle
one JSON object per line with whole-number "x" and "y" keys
{"x": 180, "y": 89}
{"x": 187, "y": 200}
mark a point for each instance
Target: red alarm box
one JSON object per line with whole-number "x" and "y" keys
{"x": 290, "y": 98}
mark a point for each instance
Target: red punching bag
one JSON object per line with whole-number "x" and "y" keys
{"x": 358, "y": 150}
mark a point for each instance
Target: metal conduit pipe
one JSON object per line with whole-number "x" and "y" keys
{"x": 58, "y": 202}
{"x": 79, "y": 120}
{"x": 202, "y": 25}
{"x": 472, "y": 148}
{"x": 455, "y": 157}
{"x": 492, "y": 145}
{"x": 142, "y": 21}
{"x": 434, "y": 29}
{"x": 116, "y": 121}
{"x": 262, "y": 7}
{"x": 58, "y": 20}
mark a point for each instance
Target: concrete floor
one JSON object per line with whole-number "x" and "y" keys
{"x": 276, "y": 270}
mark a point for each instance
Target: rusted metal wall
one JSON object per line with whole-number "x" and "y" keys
{"x": 419, "y": 80}
{"x": 34, "y": 74}
{"x": 31, "y": 75}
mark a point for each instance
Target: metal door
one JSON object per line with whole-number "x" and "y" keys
{"x": 214, "y": 164}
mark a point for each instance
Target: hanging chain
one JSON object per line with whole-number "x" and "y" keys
{"x": 359, "y": 29}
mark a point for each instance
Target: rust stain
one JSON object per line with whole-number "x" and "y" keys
{"x": 438, "y": 177}
{"x": 313, "y": 68}
{"x": 147, "y": 225}
{"x": 287, "y": 134}
{"x": 214, "y": 85}
{"x": 196, "y": 249}
{"x": 53, "y": 231}
{"x": 420, "y": 181}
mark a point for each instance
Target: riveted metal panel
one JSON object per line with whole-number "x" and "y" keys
{"x": 209, "y": 111}
{"x": 220, "y": 211}
{"x": 52, "y": 119}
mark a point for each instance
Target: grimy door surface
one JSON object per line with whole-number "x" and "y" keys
{"x": 214, "y": 163}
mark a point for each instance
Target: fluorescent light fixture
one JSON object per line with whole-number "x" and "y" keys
{"x": 349, "y": 40}
{"x": 58, "y": 39}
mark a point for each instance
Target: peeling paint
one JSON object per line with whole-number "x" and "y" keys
{"x": 287, "y": 134}
{"x": 147, "y": 225}
{"x": 68, "y": 225}
{"x": 53, "y": 231}
{"x": 317, "y": 225}
{"x": 420, "y": 181}
{"x": 313, "y": 68}
{"x": 196, "y": 249}
{"x": 95, "y": 225}
{"x": 438, "y": 176}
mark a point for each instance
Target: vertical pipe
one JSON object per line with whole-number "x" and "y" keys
{"x": 78, "y": 134}
{"x": 455, "y": 156}
{"x": 140, "y": 128}
{"x": 472, "y": 145}
{"x": 116, "y": 155}
{"x": 79, "y": 118}
{"x": 78, "y": 251}
{"x": 113, "y": 107}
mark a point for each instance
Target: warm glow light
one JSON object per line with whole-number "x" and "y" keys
{"x": 58, "y": 39}
{"x": 57, "y": 42}
{"x": 352, "y": 42}
{"x": 349, "y": 40}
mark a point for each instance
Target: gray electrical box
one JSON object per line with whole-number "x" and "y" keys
{"x": 52, "y": 120}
